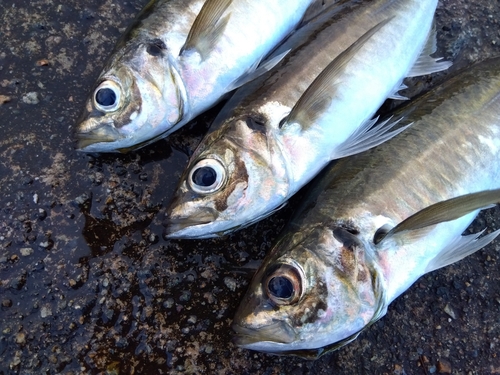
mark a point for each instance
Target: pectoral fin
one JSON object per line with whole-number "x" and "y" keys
{"x": 318, "y": 95}
{"x": 367, "y": 136}
{"x": 208, "y": 27}
{"x": 461, "y": 247}
{"x": 426, "y": 64}
{"x": 447, "y": 210}
{"x": 257, "y": 70}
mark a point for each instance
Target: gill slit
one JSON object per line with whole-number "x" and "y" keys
{"x": 181, "y": 90}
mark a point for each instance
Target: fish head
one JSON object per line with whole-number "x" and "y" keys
{"x": 316, "y": 289}
{"x": 234, "y": 178}
{"x": 136, "y": 99}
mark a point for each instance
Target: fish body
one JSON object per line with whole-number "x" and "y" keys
{"x": 177, "y": 60}
{"x": 374, "y": 223}
{"x": 280, "y": 130}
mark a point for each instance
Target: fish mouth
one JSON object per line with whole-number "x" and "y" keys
{"x": 191, "y": 226}
{"x": 279, "y": 332}
{"x": 104, "y": 133}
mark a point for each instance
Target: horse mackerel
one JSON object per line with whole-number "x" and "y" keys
{"x": 178, "y": 59}
{"x": 280, "y": 130}
{"x": 374, "y": 223}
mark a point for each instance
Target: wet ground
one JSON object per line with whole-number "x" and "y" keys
{"x": 88, "y": 284}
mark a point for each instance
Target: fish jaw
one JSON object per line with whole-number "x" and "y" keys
{"x": 152, "y": 103}
{"x": 255, "y": 183}
{"x": 194, "y": 222}
{"x": 341, "y": 292}
{"x": 266, "y": 336}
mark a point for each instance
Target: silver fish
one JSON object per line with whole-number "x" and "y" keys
{"x": 374, "y": 223}
{"x": 279, "y": 131}
{"x": 177, "y": 60}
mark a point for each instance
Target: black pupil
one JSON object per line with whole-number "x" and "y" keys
{"x": 105, "y": 97}
{"x": 280, "y": 287}
{"x": 204, "y": 176}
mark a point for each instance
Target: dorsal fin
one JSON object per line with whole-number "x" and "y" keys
{"x": 447, "y": 210}
{"x": 318, "y": 95}
{"x": 208, "y": 27}
{"x": 426, "y": 64}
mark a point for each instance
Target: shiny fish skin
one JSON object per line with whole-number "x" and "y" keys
{"x": 347, "y": 280}
{"x": 266, "y": 156}
{"x": 160, "y": 81}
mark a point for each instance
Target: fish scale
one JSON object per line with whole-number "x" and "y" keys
{"x": 396, "y": 211}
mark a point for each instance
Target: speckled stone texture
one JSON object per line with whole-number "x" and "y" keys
{"x": 89, "y": 285}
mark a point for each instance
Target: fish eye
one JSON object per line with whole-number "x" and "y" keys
{"x": 107, "y": 96}
{"x": 283, "y": 285}
{"x": 207, "y": 176}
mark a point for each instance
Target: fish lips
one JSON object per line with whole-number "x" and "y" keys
{"x": 279, "y": 332}
{"x": 191, "y": 226}
{"x": 103, "y": 134}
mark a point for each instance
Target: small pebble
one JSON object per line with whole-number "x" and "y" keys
{"x": 21, "y": 338}
{"x": 81, "y": 199}
{"x": 45, "y": 311}
{"x": 444, "y": 367}
{"x": 26, "y": 251}
{"x": 448, "y": 310}
{"x": 15, "y": 362}
{"x": 4, "y": 99}
{"x": 31, "y": 98}
{"x": 44, "y": 244}
{"x": 6, "y": 302}
{"x": 168, "y": 303}
{"x": 42, "y": 62}
{"x": 230, "y": 283}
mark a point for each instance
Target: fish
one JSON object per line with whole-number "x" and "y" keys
{"x": 277, "y": 132}
{"x": 178, "y": 59}
{"x": 373, "y": 223}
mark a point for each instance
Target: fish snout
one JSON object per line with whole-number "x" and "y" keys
{"x": 185, "y": 225}
{"x": 278, "y": 332}
{"x": 89, "y": 134}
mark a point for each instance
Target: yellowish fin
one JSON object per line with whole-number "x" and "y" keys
{"x": 447, "y": 210}
{"x": 208, "y": 27}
